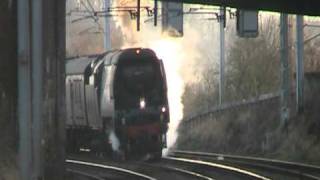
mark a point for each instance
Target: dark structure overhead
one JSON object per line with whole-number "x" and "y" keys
{"x": 306, "y": 7}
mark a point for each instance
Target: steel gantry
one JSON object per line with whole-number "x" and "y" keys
{"x": 41, "y": 54}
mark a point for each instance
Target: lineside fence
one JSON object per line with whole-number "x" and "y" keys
{"x": 261, "y": 102}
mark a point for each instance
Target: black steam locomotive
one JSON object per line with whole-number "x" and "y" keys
{"x": 119, "y": 95}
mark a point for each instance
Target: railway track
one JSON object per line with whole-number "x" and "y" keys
{"x": 188, "y": 165}
{"x": 273, "y": 169}
{"x": 129, "y": 170}
{"x": 166, "y": 168}
{"x": 99, "y": 171}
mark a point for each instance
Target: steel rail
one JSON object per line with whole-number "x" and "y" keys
{"x": 219, "y": 166}
{"x": 304, "y": 170}
{"x": 85, "y": 174}
{"x": 179, "y": 170}
{"x": 189, "y": 173}
{"x": 122, "y": 170}
{"x": 157, "y": 166}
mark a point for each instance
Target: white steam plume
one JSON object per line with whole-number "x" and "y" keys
{"x": 178, "y": 54}
{"x": 115, "y": 144}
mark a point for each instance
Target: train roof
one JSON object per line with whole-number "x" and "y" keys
{"x": 130, "y": 53}
{"x": 78, "y": 65}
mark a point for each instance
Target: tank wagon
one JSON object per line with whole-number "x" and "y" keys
{"x": 117, "y": 102}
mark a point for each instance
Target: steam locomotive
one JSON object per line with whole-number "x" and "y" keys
{"x": 119, "y": 95}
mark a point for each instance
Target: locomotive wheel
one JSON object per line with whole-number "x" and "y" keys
{"x": 72, "y": 145}
{"x": 127, "y": 152}
{"x": 121, "y": 155}
{"x": 157, "y": 155}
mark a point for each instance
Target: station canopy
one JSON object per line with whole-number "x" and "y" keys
{"x": 303, "y": 7}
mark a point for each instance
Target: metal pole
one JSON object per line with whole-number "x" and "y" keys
{"x": 138, "y": 15}
{"x": 54, "y": 74}
{"x": 107, "y": 36}
{"x": 299, "y": 65}
{"x": 222, "y": 56}
{"x": 24, "y": 91}
{"x": 37, "y": 84}
{"x": 284, "y": 69}
{"x": 155, "y": 12}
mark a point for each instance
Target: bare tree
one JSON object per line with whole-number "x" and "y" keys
{"x": 253, "y": 65}
{"x": 252, "y": 69}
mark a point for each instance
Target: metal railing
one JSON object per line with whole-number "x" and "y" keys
{"x": 258, "y": 100}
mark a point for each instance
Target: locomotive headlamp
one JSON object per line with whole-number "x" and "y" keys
{"x": 138, "y": 51}
{"x": 142, "y": 103}
{"x": 163, "y": 109}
